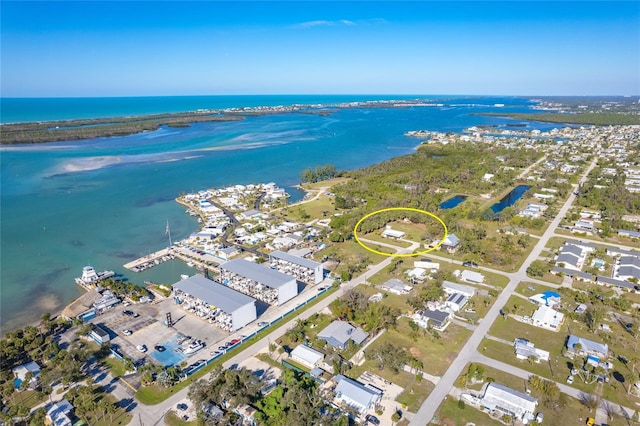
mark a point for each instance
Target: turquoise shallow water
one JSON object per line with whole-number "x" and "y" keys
{"x": 106, "y": 201}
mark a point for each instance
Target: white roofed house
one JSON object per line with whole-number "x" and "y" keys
{"x": 525, "y": 349}
{"x": 20, "y": 373}
{"x": 547, "y": 317}
{"x": 307, "y": 356}
{"x": 356, "y": 395}
{"x": 451, "y": 287}
{"x": 417, "y": 274}
{"x": 472, "y": 277}
{"x": 508, "y": 401}
{"x": 392, "y": 233}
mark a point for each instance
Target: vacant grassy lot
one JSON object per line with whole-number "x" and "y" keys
{"x": 450, "y": 414}
{"x": 414, "y": 394}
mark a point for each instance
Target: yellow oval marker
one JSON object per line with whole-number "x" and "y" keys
{"x": 446, "y": 231}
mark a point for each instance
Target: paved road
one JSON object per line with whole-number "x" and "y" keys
{"x": 153, "y": 414}
{"x": 433, "y": 401}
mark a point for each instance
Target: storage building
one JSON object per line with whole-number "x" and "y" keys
{"x": 267, "y": 285}
{"x": 303, "y": 269}
{"x": 212, "y": 301}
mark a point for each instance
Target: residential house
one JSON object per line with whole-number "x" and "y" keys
{"x": 392, "y": 233}
{"x": 585, "y": 347}
{"x": 356, "y": 395}
{"x": 338, "y": 334}
{"x": 627, "y": 233}
{"x": 548, "y": 298}
{"x": 247, "y": 414}
{"x": 625, "y": 285}
{"x": 547, "y": 317}
{"x": 451, "y": 287}
{"x": 525, "y": 349}
{"x": 59, "y": 414}
{"x": 628, "y": 268}
{"x": 20, "y": 373}
{"x": 456, "y": 301}
{"x": 306, "y": 356}
{"x": 396, "y": 286}
{"x": 518, "y": 405}
{"x": 436, "y": 319}
{"x": 417, "y": 274}
{"x": 472, "y": 277}
{"x": 571, "y": 256}
{"x": 583, "y": 225}
{"x": 450, "y": 243}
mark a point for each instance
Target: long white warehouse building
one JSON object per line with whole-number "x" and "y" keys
{"x": 258, "y": 281}
{"x": 303, "y": 269}
{"x": 214, "y": 302}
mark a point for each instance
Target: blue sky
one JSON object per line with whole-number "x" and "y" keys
{"x": 198, "y": 48}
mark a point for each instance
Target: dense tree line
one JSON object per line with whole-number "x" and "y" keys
{"x": 326, "y": 172}
{"x": 373, "y": 317}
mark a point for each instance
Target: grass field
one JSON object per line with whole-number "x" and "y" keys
{"x": 450, "y": 414}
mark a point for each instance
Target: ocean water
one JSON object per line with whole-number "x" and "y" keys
{"x": 106, "y": 201}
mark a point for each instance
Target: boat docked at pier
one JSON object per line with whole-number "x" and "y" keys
{"x": 90, "y": 277}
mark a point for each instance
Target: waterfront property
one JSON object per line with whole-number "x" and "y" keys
{"x": 267, "y": 285}
{"x": 228, "y": 309}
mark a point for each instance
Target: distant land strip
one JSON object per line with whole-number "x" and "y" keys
{"x": 594, "y": 118}
{"x": 65, "y": 130}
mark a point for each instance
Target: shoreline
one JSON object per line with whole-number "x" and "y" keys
{"x": 41, "y": 132}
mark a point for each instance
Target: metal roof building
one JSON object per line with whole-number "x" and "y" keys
{"x": 307, "y": 356}
{"x": 450, "y": 287}
{"x": 356, "y": 395}
{"x": 240, "y": 307}
{"x": 304, "y": 269}
{"x": 251, "y": 278}
{"x": 509, "y": 401}
{"x": 338, "y": 333}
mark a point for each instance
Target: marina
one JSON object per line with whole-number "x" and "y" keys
{"x": 150, "y": 260}
{"x": 90, "y": 278}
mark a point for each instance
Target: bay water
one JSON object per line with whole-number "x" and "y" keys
{"x": 106, "y": 201}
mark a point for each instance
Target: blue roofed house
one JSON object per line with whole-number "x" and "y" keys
{"x": 338, "y": 334}
{"x": 356, "y": 395}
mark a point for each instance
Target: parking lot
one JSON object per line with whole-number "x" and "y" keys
{"x": 148, "y": 328}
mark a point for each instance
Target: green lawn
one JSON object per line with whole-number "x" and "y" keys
{"x": 172, "y": 419}
{"x": 450, "y": 414}
{"x": 414, "y": 394}
{"x": 27, "y": 398}
{"x": 115, "y": 366}
{"x": 379, "y": 238}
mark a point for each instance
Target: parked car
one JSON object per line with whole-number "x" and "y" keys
{"x": 372, "y": 419}
{"x": 570, "y": 379}
{"x": 159, "y": 348}
{"x": 141, "y": 348}
{"x": 263, "y": 324}
{"x": 128, "y": 312}
{"x": 127, "y": 332}
{"x": 469, "y": 264}
{"x": 182, "y": 406}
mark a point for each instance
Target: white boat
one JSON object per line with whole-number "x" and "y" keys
{"x": 90, "y": 277}
{"x": 193, "y": 347}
